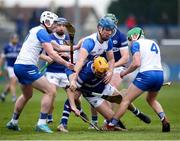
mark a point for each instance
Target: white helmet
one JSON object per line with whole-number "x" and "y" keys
{"x": 48, "y": 16}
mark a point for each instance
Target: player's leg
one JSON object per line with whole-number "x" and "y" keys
{"x": 152, "y": 101}
{"x": 12, "y": 82}
{"x": 94, "y": 117}
{"x": 5, "y": 92}
{"x": 132, "y": 93}
{"x": 27, "y": 92}
{"x": 104, "y": 109}
{"x": 49, "y": 92}
{"x": 66, "y": 113}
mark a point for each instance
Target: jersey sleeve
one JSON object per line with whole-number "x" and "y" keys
{"x": 110, "y": 45}
{"x": 88, "y": 44}
{"x": 135, "y": 48}
{"x": 43, "y": 36}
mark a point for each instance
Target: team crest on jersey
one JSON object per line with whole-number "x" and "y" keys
{"x": 115, "y": 41}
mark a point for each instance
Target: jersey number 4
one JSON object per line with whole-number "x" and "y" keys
{"x": 154, "y": 48}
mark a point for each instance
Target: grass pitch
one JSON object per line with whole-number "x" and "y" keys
{"x": 169, "y": 97}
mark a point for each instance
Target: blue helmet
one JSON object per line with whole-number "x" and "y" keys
{"x": 61, "y": 21}
{"x": 106, "y": 23}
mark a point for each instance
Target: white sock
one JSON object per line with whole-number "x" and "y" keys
{"x": 14, "y": 121}
{"x": 41, "y": 121}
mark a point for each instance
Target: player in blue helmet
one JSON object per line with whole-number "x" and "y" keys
{"x": 121, "y": 56}
{"x": 95, "y": 45}
{"x": 147, "y": 59}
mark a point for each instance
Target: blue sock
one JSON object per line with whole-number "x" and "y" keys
{"x": 50, "y": 117}
{"x": 43, "y": 115}
{"x": 15, "y": 116}
{"x": 161, "y": 115}
{"x": 94, "y": 118}
{"x": 66, "y": 113}
{"x": 114, "y": 121}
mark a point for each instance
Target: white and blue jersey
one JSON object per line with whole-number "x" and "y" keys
{"x": 87, "y": 80}
{"x": 94, "y": 47}
{"x": 25, "y": 66}
{"x": 56, "y": 67}
{"x": 119, "y": 41}
{"x": 150, "y": 76}
{"x": 11, "y": 52}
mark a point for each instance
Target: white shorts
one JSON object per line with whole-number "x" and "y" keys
{"x": 10, "y": 71}
{"x": 96, "y": 101}
{"x": 118, "y": 69}
{"x": 59, "y": 79}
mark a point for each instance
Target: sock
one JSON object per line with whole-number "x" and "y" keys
{"x": 94, "y": 118}
{"x": 161, "y": 115}
{"x": 114, "y": 122}
{"x": 4, "y": 94}
{"x": 50, "y": 117}
{"x": 42, "y": 118}
{"x": 136, "y": 111}
{"x": 66, "y": 113}
{"x": 15, "y": 118}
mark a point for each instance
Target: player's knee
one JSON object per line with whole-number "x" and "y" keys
{"x": 125, "y": 102}
{"x": 51, "y": 91}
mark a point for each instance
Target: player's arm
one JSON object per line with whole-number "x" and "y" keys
{"x": 61, "y": 48}
{"x": 86, "y": 48}
{"x": 136, "y": 60}
{"x": 111, "y": 61}
{"x": 45, "y": 41}
{"x": 124, "y": 57}
{"x": 2, "y": 58}
{"x": 46, "y": 58}
{"x": 124, "y": 51}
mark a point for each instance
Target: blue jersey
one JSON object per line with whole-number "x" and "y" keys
{"x": 56, "y": 67}
{"x": 11, "y": 52}
{"x": 87, "y": 80}
{"x": 94, "y": 47}
{"x": 119, "y": 41}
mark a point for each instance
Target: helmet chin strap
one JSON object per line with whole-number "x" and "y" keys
{"x": 101, "y": 35}
{"x": 46, "y": 28}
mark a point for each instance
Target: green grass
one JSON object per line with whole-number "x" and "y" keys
{"x": 169, "y": 97}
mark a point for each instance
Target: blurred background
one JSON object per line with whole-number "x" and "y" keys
{"x": 160, "y": 20}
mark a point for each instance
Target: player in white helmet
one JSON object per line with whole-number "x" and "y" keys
{"x": 28, "y": 74}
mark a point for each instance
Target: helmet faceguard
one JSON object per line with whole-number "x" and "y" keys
{"x": 106, "y": 24}
{"x": 100, "y": 66}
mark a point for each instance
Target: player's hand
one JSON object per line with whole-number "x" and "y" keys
{"x": 73, "y": 85}
{"x": 122, "y": 74}
{"x": 108, "y": 77}
{"x": 70, "y": 65}
{"x": 76, "y": 111}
